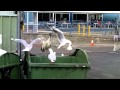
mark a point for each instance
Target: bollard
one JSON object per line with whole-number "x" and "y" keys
{"x": 89, "y": 32}
{"x": 78, "y": 29}
{"x": 84, "y": 30}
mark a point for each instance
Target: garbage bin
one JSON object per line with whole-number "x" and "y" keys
{"x": 10, "y": 66}
{"x": 74, "y": 66}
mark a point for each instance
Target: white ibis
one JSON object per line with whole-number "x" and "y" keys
{"x": 52, "y": 55}
{"x": 63, "y": 41}
{"x": 27, "y": 46}
{"x": 46, "y": 44}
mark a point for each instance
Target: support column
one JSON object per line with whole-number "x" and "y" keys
{"x": 37, "y": 21}
{"x": 118, "y": 21}
{"x": 87, "y": 18}
{"x": 50, "y": 16}
{"x": 69, "y": 17}
{"x": 102, "y": 17}
{"x": 61, "y": 16}
{"x": 53, "y": 17}
{"x": 34, "y": 22}
{"x": 27, "y": 21}
{"x": 18, "y": 33}
{"x": 35, "y": 25}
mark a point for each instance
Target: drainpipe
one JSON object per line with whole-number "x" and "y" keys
{"x": 19, "y": 32}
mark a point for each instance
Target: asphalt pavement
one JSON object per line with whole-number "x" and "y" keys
{"x": 104, "y": 62}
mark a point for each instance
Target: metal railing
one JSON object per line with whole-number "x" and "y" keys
{"x": 31, "y": 28}
{"x": 35, "y": 28}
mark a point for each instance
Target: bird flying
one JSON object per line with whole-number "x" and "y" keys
{"x": 63, "y": 41}
{"x": 1, "y": 50}
{"x": 27, "y": 46}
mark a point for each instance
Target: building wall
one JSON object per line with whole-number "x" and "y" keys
{"x": 106, "y": 17}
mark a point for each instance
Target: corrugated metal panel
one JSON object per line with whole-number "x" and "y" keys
{"x": 8, "y": 28}
{"x": 7, "y": 12}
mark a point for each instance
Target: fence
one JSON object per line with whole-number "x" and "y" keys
{"x": 104, "y": 28}
{"x": 31, "y": 28}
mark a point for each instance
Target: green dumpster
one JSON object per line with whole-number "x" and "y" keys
{"x": 74, "y": 66}
{"x": 10, "y": 66}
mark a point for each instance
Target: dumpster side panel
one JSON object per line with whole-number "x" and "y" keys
{"x": 9, "y": 29}
{"x": 82, "y": 56}
{"x": 60, "y": 59}
{"x": 15, "y": 73}
{"x": 14, "y": 59}
{"x": 58, "y": 73}
{"x": 2, "y": 62}
{"x": 9, "y": 59}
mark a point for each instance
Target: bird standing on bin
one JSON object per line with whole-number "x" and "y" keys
{"x": 63, "y": 41}
{"x": 52, "y": 55}
{"x": 27, "y": 46}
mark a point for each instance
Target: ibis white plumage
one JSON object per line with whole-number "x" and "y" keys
{"x": 1, "y": 50}
{"x": 52, "y": 55}
{"x": 27, "y": 46}
{"x": 63, "y": 41}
